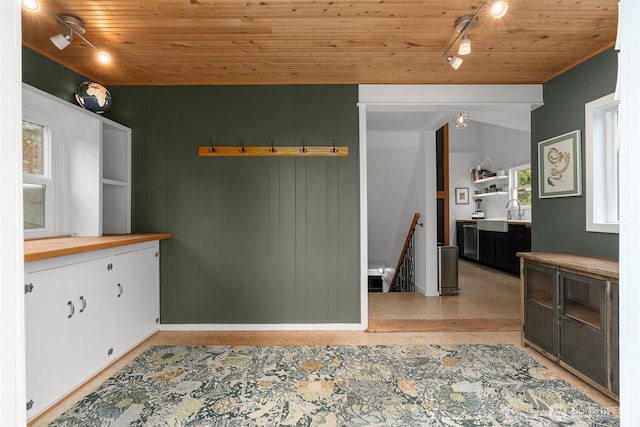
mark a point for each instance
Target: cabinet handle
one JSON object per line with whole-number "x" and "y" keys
{"x": 84, "y": 304}
{"x": 120, "y": 290}
{"x": 72, "y": 309}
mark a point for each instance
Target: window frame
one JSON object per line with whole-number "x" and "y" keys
{"x": 602, "y": 172}
{"x": 50, "y": 178}
{"x": 513, "y": 181}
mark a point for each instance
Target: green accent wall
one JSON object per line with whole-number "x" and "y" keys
{"x": 255, "y": 240}
{"x": 559, "y": 224}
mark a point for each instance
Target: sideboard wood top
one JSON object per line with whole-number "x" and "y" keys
{"x": 588, "y": 264}
{"x": 37, "y": 249}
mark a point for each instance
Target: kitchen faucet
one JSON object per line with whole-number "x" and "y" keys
{"x": 519, "y": 210}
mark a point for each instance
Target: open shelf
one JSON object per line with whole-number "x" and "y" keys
{"x": 490, "y": 179}
{"x": 495, "y": 193}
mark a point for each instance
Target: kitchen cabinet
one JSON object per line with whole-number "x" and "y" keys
{"x": 519, "y": 241}
{"x": 134, "y": 289}
{"x": 76, "y": 324}
{"x": 498, "y": 249}
{"x": 66, "y": 322}
{"x": 570, "y": 314}
{"x": 494, "y": 249}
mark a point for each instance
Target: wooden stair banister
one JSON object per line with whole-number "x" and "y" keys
{"x": 407, "y": 242}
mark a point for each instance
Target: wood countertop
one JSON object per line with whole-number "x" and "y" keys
{"x": 600, "y": 266}
{"x": 37, "y": 249}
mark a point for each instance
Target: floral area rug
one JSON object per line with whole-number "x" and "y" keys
{"x": 428, "y": 385}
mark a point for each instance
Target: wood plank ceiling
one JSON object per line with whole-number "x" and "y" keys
{"x": 187, "y": 42}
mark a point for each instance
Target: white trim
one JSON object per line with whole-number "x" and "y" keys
{"x": 456, "y": 95}
{"x": 264, "y": 327}
{"x": 629, "y": 69}
{"x": 364, "y": 224}
{"x": 597, "y": 182}
{"x": 12, "y": 357}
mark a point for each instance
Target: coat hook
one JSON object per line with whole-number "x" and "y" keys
{"x": 303, "y": 149}
{"x": 272, "y": 149}
{"x": 334, "y": 149}
{"x": 242, "y": 150}
{"x": 212, "y": 149}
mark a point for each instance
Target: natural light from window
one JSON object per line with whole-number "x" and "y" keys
{"x": 602, "y": 146}
{"x": 520, "y": 184}
{"x": 36, "y": 176}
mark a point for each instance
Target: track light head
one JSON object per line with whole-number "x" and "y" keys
{"x": 454, "y": 61}
{"x": 465, "y": 45}
{"x": 61, "y": 40}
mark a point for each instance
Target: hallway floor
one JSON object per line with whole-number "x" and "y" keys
{"x": 487, "y": 296}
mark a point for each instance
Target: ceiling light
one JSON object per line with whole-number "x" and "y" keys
{"x": 71, "y": 25}
{"x": 104, "y": 57}
{"x": 31, "y": 5}
{"x": 462, "y": 120}
{"x": 499, "y": 8}
{"x": 465, "y": 45}
{"x": 61, "y": 40}
{"x": 454, "y": 61}
{"x": 466, "y": 23}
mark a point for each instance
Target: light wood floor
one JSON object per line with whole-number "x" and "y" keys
{"x": 486, "y": 296}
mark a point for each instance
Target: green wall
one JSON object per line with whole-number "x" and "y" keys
{"x": 559, "y": 224}
{"x": 255, "y": 240}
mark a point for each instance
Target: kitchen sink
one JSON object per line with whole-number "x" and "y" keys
{"x": 499, "y": 225}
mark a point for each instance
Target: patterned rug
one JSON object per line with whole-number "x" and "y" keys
{"x": 464, "y": 385}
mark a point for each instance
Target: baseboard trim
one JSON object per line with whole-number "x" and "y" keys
{"x": 264, "y": 327}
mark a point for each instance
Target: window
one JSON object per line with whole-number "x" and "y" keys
{"x": 601, "y": 123}
{"x": 37, "y": 184}
{"x": 520, "y": 184}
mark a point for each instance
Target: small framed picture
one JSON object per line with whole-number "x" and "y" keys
{"x": 462, "y": 196}
{"x": 559, "y": 166}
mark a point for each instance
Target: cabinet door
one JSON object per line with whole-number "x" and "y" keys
{"x": 135, "y": 297}
{"x": 487, "y": 247}
{"x": 583, "y": 325}
{"x": 540, "y": 307}
{"x": 64, "y": 345}
{"x": 92, "y": 313}
{"x": 519, "y": 241}
{"x": 615, "y": 338}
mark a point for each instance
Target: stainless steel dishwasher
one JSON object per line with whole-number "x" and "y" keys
{"x": 470, "y": 249}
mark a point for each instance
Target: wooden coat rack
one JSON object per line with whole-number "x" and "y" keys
{"x": 272, "y": 151}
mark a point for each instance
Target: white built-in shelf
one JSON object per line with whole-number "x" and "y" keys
{"x": 495, "y": 193}
{"x": 114, "y": 182}
{"x": 490, "y": 179}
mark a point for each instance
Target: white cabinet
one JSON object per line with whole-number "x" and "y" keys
{"x": 76, "y": 323}
{"x": 92, "y": 170}
{"x": 134, "y": 281}
{"x": 116, "y": 178}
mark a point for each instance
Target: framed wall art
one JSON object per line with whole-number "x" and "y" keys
{"x": 462, "y": 196}
{"x": 559, "y": 166}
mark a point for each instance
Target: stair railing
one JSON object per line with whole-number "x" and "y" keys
{"x": 404, "y": 278}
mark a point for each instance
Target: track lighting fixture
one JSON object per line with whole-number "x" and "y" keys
{"x": 466, "y": 23}
{"x": 71, "y": 26}
{"x": 462, "y": 120}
